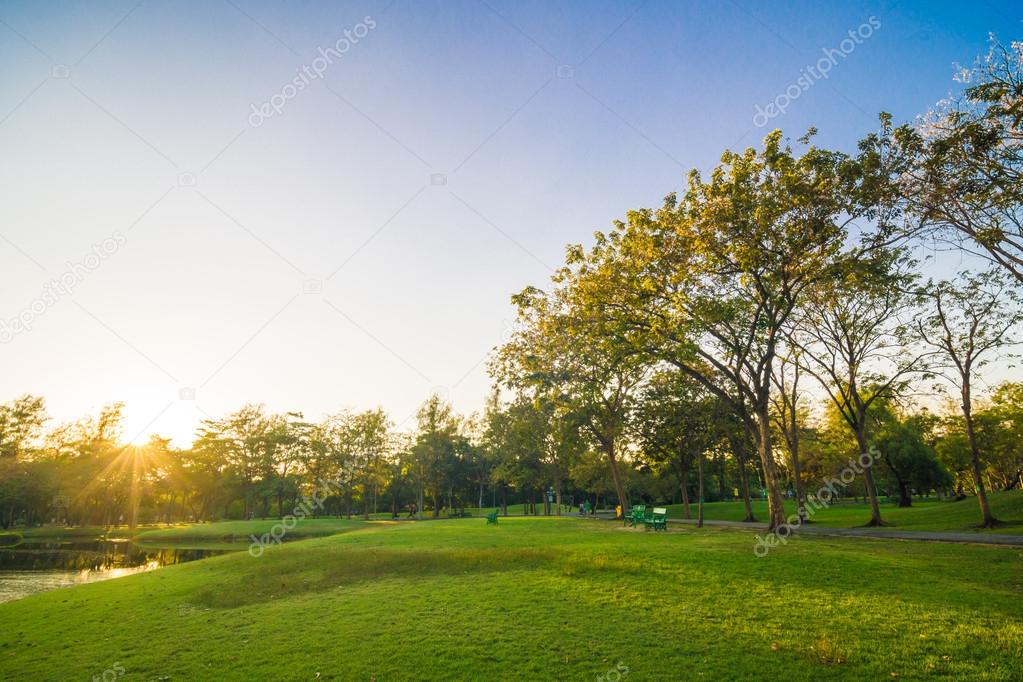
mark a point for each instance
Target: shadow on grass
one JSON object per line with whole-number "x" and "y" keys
{"x": 282, "y": 575}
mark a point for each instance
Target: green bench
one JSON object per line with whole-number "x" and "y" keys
{"x": 459, "y": 514}
{"x": 658, "y": 520}
{"x": 636, "y": 515}
{"x": 492, "y": 518}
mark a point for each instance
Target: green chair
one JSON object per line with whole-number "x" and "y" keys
{"x": 492, "y": 518}
{"x": 658, "y": 520}
{"x": 636, "y": 515}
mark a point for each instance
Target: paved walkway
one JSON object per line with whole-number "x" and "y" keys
{"x": 928, "y": 536}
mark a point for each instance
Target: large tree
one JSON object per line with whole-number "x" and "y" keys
{"x": 1006, "y": 415}
{"x": 437, "y": 443}
{"x": 258, "y": 448}
{"x": 565, "y": 349}
{"x": 789, "y": 415}
{"x": 677, "y": 422}
{"x": 907, "y": 458}
{"x": 372, "y": 444}
{"x": 968, "y": 321}
{"x": 709, "y": 281}
{"x": 964, "y": 183}
{"x": 21, "y": 423}
{"x": 854, "y": 336}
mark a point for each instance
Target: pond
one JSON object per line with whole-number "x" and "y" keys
{"x": 38, "y": 566}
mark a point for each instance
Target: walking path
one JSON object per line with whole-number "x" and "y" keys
{"x": 930, "y": 536}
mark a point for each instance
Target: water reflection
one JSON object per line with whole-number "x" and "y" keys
{"x": 39, "y": 566}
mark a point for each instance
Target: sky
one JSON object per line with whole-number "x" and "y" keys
{"x": 321, "y": 206}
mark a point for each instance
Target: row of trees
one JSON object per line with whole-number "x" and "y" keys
{"x": 248, "y": 463}
{"x": 256, "y": 463}
{"x": 782, "y": 267}
{"x": 678, "y": 443}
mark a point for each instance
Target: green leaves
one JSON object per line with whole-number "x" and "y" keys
{"x": 964, "y": 179}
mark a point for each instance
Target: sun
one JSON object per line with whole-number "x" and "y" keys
{"x": 147, "y": 416}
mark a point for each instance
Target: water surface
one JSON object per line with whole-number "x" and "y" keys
{"x": 38, "y": 566}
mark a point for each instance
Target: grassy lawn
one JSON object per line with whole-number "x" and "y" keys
{"x": 49, "y": 532}
{"x": 513, "y": 510}
{"x": 537, "y": 599}
{"x": 239, "y": 531}
{"x": 923, "y": 515}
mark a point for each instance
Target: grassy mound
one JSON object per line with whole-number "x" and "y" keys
{"x": 538, "y": 599}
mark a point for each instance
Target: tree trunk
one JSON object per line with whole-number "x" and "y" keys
{"x": 868, "y": 476}
{"x": 905, "y": 496}
{"x": 989, "y": 520}
{"x": 699, "y": 511}
{"x": 684, "y": 488}
{"x": 723, "y": 493}
{"x": 775, "y": 503}
{"x": 797, "y": 473}
{"x": 366, "y": 500}
{"x": 744, "y": 487}
{"x": 623, "y": 499}
{"x": 557, "y": 494}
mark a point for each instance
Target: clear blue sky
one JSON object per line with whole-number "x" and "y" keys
{"x": 543, "y": 121}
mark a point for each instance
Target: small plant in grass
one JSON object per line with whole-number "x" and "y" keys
{"x": 827, "y": 651}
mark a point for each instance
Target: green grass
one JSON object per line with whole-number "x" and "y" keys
{"x": 538, "y": 599}
{"x": 50, "y": 532}
{"x": 930, "y": 515}
{"x": 513, "y": 510}
{"x": 240, "y": 531}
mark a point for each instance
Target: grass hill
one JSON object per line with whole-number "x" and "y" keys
{"x": 536, "y": 598}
